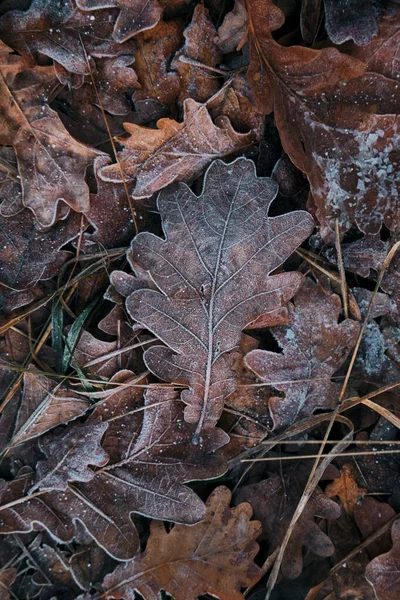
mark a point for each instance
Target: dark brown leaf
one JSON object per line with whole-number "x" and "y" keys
{"x": 274, "y": 501}
{"x": 383, "y": 572}
{"x": 303, "y": 371}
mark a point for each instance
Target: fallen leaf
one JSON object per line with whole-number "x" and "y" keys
{"x": 40, "y": 406}
{"x": 213, "y": 557}
{"x": 28, "y": 254}
{"x": 197, "y": 61}
{"x": 212, "y": 275}
{"x": 352, "y": 20}
{"x": 233, "y": 32}
{"x": 51, "y": 163}
{"x": 7, "y": 578}
{"x": 303, "y": 371}
{"x": 383, "y": 572}
{"x": 149, "y": 479}
{"x": 154, "y": 158}
{"x": 155, "y": 49}
{"x": 337, "y": 122}
{"x": 69, "y": 456}
{"x": 370, "y": 515}
{"x": 274, "y": 501}
{"x": 134, "y": 15}
{"x": 346, "y": 488}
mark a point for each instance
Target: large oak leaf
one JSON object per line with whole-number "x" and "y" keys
{"x": 149, "y": 466}
{"x": 212, "y": 271}
{"x": 213, "y": 557}
{"x": 338, "y": 123}
{"x": 175, "y": 151}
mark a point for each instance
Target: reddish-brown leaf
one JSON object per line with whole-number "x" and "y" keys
{"x": 212, "y": 276}
{"x": 313, "y": 346}
{"x": 51, "y": 163}
{"x": 346, "y": 488}
{"x": 154, "y": 158}
{"x": 196, "y": 62}
{"x": 337, "y": 122}
{"x": 69, "y": 456}
{"x": 213, "y": 557}
{"x": 383, "y": 572}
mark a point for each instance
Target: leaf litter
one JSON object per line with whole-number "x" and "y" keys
{"x": 179, "y": 321}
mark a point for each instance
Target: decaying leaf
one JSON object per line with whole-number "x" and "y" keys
{"x": 28, "y": 254}
{"x": 154, "y": 158}
{"x": 51, "y": 163}
{"x": 233, "y": 32}
{"x": 303, "y": 370}
{"x": 213, "y": 557}
{"x": 383, "y": 572}
{"x": 274, "y": 501}
{"x": 197, "y": 61}
{"x": 212, "y": 276}
{"x": 134, "y": 15}
{"x": 337, "y": 122}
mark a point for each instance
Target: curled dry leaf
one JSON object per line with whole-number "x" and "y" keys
{"x": 148, "y": 477}
{"x": 213, "y": 557}
{"x": 212, "y": 272}
{"x": 303, "y": 371}
{"x": 134, "y": 15}
{"x": 51, "y": 163}
{"x": 274, "y": 501}
{"x": 337, "y": 122}
{"x": 233, "y": 32}
{"x": 69, "y": 456}
{"x": 154, "y": 158}
{"x": 383, "y": 572}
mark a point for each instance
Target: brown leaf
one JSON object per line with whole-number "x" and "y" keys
{"x": 213, "y": 557}
{"x": 27, "y": 254}
{"x": 196, "y": 62}
{"x": 346, "y": 488}
{"x": 7, "y": 578}
{"x": 63, "y": 33}
{"x": 155, "y": 49}
{"x": 212, "y": 275}
{"x": 175, "y": 151}
{"x": 39, "y": 407}
{"x": 148, "y": 477}
{"x": 337, "y": 122}
{"x": 69, "y": 456}
{"x": 51, "y": 163}
{"x": 134, "y": 15}
{"x": 370, "y": 515}
{"x": 274, "y": 501}
{"x": 233, "y": 32}
{"x": 303, "y": 371}
{"x": 383, "y": 572}
{"x": 111, "y": 199}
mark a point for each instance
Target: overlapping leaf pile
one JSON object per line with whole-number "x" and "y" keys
{"x": 199, "y": 291}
